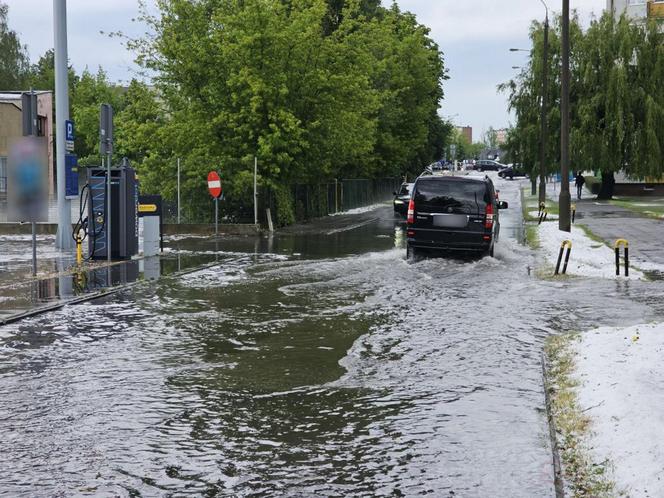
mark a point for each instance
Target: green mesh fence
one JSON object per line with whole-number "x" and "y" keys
{"x": 309, "y": 201}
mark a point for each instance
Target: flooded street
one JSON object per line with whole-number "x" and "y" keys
{"x": 316, "y": 363}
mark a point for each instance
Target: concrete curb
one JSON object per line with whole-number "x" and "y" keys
{"x": 169, "y": 229}
{"x": 557, "y": 467}
{"x": 95, "y": 295}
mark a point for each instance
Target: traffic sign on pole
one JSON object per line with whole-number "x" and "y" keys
{"x": 69, "y": 136}
{"x": 214, "y": 184}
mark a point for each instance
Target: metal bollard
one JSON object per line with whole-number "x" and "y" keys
{"x": 617, "y": 245}
{"x": 79, "y": 249}
{"x": 566, "y": 244}
{"x": 543, "y": 215}
{"x": 573, "y": 213}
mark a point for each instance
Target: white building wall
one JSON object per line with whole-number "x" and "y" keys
{"x": 636, "y": 9}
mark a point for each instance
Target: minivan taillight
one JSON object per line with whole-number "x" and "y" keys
{"x": 488, "y": 223}
{"x": 411, "y": 212}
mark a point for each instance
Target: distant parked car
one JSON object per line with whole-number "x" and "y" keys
{"x": 488, "y": 165}
{"x": 453, "y": 213}
{"x": 401, "y": 198}
{"x": 513, "y": 171}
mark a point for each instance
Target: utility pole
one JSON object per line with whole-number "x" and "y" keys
{"x": 255, "y": 190}
{"x": 545, "y": 100}
{"x": 63, "y": 238}
{"x": 564, "y": 208}
{"x": 106, "y": 149}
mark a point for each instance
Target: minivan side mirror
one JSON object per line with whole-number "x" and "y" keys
{"x": 502, "y": 205}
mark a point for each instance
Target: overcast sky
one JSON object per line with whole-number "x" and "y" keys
{"x": 475, "y": 37}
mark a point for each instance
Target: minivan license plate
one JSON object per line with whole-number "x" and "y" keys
{"x": 450, "y": 220}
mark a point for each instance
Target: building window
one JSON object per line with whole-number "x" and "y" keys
{"x": 3, "y": 175}
{"x": 41, "y": 126}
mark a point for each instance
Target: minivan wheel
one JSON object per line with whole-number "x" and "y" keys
{"x": 490, "y": 251}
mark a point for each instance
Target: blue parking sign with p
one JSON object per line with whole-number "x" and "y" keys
{"x": 69, "y": 130}
{"x": 69, "y": 136}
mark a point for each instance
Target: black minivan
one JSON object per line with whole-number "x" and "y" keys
{"x": 453, "y": 213}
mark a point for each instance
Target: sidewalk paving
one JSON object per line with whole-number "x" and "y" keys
{"x": 610, "y": 223}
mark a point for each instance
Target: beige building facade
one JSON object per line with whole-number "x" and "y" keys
{"x": 11, "y": 129}
{"x": 466, "y": 131}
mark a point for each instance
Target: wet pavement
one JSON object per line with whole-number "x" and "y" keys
{"x": 612, "y": 222}
{"x": 317, "y": 362}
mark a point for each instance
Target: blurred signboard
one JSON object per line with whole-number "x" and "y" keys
{"x": 71, "y": 176}
{"x": 656, "y": 10}
{"x": 27, "y": 180}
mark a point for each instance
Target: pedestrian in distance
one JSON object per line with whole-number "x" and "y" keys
{"x": 580, "y": 181}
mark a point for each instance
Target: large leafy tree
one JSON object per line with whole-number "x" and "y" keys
{"x": 315, "y": 89}
{"x": 617, "y": 118}
{"x": 14, "y": 61}
{"x": 620, "y": 103}
{"x": 90, "y": 91}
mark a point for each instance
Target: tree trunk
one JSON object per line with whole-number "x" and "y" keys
{"x": 533, "y": 184}
{"x": 606, "y": 188}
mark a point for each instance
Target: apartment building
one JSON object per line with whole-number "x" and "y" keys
{"x": 466, "y": 131}
{"x": 637, "y": 9}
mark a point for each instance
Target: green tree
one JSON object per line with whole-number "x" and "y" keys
{"x": 14, "y": 61}
{"x": 87, "y": 95}
{"x": 42, "y": 74}
{"x": 620, "y": 103}
{"x": 316, "y": 89}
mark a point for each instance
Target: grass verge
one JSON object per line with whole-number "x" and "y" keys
{"x": 532, "y": 236}
{"x": 530, "y": 203}
{"x": 643, "y": 206}
{"x": 583, "y": 478}
{"x": 593, "y": 236}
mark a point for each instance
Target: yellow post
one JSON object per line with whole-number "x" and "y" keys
{"x": 79, "y": 250}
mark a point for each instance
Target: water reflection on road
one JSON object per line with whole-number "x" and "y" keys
{"x": 309, "y": 364}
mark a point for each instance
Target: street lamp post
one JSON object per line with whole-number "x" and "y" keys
{"x": 63, "y": 238}
{"x": 565, "y": 199}
{"x": 533, "y": 182}
{"x": 543, "y": 118}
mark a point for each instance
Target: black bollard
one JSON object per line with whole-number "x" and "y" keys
{"x": 569, "y": 251}
{"x": 627, "y": 261}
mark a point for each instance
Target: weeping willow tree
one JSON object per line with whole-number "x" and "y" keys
{"x": 524, "y": 98}
{"x": 617, "y": 100}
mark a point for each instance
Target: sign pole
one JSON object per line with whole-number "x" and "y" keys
{"x": 178, "y": 190}
{"x": 109, "y": 234}
{"x": 106, "y": 149}
{"x": 214, "y": 187}
{"x": 216, "y": 216}
{"x": 255, "y": 191}
{"x": 33, "y": 118}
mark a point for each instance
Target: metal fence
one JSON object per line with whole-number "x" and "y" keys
{"x": 317, "y": 200}
{"x": 308, "y": 201}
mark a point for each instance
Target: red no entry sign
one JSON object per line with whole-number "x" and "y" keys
{"x": 214, "y": 184}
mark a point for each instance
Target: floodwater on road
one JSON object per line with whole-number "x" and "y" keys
{"x": 315, "y": 363}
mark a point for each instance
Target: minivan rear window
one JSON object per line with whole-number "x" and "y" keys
{"x": 441, "y": 191}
